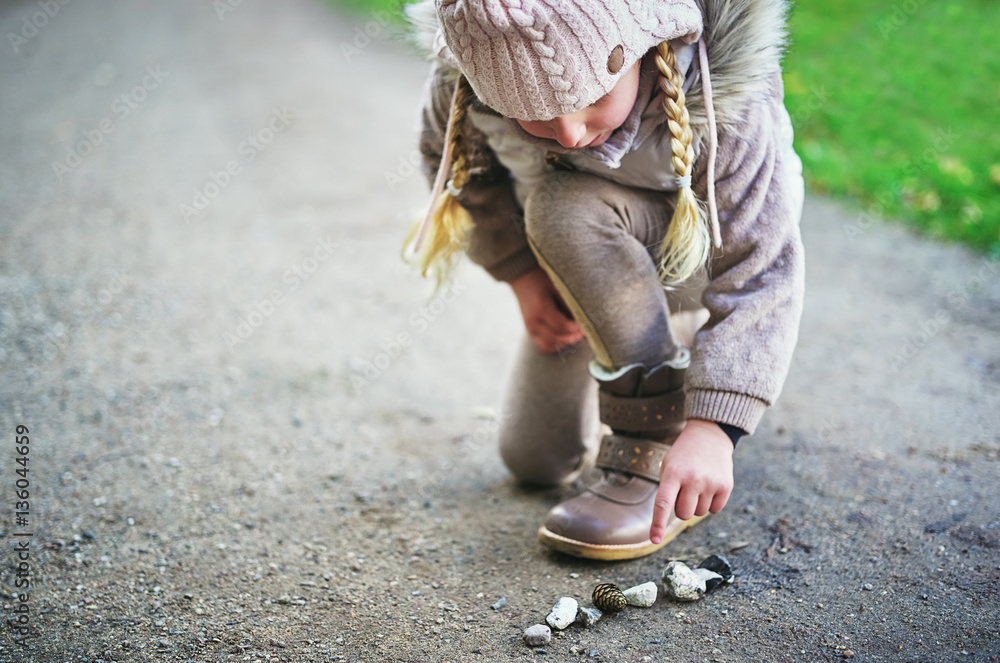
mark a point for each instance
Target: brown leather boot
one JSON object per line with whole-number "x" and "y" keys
{"x": 611, "y": 519}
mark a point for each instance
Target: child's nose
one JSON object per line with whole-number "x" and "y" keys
{"x": 569, "y": 132}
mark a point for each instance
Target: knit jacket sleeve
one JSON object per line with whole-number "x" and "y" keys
{"x": 754, "y": 295}
{"x": 497, "y": 241}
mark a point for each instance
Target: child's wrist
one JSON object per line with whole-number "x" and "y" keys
{"x": 733, "y": 432}
{"x": 714, "y": 431}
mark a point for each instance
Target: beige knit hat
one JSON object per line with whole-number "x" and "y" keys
{"x": 539, "y": 59}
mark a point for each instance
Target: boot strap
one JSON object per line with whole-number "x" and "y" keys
{"x": 642, "y": 413}
{"x": 632, "y": 455}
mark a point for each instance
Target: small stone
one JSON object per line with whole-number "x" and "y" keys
{"x": 563, "y": 613}
{"x": 642, "y": 596}
{"x": 847, "y": 653}
{"x": 88, "y": 535}
{"x": 537, "y": 635}
{"x": 718, "y": 564}
{"x": 868, "y": 587}
{"x": 711, "y": 578}
{"x": 499, "y": 604}
{"x": 681, "y": 583}
{"x": 588, "y": 616}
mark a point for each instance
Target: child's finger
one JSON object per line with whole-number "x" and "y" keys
{"x": 719, "y": 502}
{"x": 569, "y": 338}
{"x": 561, "y": 305}
{"x": 663, "y": 507}
{"x": 559, "y": 320}
{"x": 563, "y": 328}
{"x": 548, "y": 341}
{"x": 704, "y": 503}
{"x": 687, "y": 502}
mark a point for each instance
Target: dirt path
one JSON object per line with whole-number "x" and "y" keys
{"x": 252, "y": 437}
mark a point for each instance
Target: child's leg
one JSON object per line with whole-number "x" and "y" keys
{"x": 549, "y": 424}
{"x": 597, "y": 241}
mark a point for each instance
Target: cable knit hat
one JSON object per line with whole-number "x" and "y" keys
{"x": 539, "y": 59}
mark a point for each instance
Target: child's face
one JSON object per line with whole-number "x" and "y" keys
{"x": 591, "y": 126}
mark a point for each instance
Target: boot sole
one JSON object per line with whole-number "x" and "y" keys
{"x": 614, "y": 552}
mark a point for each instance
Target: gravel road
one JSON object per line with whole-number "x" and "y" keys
{"x": 254, "y": 436}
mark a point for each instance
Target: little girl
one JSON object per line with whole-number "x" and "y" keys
{"x": 573, "y": 142}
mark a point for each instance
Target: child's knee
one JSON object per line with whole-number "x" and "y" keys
{"x": 560, "y": 206}
{"x": 533, "y": 464}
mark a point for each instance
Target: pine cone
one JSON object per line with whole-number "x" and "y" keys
{"x": 608, "y": 598}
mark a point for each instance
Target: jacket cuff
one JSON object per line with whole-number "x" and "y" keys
{"x": 514, "y": 267}
{"x": 725, "y": 407}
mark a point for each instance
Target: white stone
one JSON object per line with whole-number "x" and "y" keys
{"x": 642, "y": 596}
{"x": 681, "y": 583}
{"x": 588, "y": 616}
{"x": 537, "y": 635}
{"x": 711, "y": 578}
{"x": 563, "y": 613}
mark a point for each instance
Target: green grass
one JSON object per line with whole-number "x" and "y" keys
{"x": 394, "y": 7}
{"x": 896, "y": 105}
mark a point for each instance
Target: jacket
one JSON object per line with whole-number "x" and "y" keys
{"x": 755, "y": 282}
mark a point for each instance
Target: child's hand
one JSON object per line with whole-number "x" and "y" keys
{"x": 546, "y": 316}
{"x": 696, "y": 476}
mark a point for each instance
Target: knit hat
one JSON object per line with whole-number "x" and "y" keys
{"x": 540, "y": 59}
